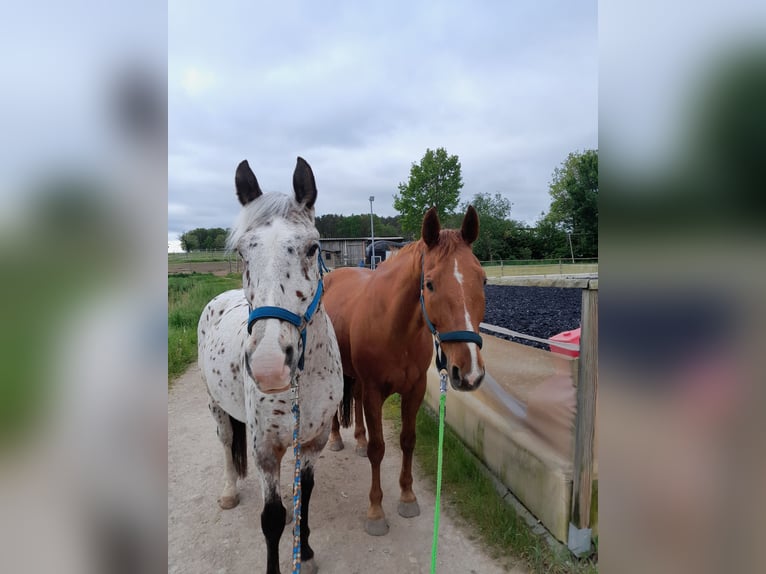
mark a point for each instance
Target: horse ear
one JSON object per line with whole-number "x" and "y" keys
{"x": 246, "y": 184}
{"x": 470, "y": 228}
{"x": 431, "y": 227}
{"x": 304, "y": 185}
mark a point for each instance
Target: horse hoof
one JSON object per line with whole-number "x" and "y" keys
{"x": 228, "y": 502}
{"x": 409, "y": 509}
{"x": 377, "y": 527}
{"x": 309, "y": 567}
{"x": 361, "y": 451}
{"x": 335, "y": 446}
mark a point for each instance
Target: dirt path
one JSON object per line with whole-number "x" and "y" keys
{"x": 202, "y": 538}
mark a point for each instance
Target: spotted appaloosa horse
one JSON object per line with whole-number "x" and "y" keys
{"x": 386, "y": 346}
{"x": 249, "y": 373}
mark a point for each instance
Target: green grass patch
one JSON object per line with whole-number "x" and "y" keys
{"x": 187, "y": 296}
{"x": 467, "y": 489}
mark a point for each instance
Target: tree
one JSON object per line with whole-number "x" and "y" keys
{"x": 574, "y": 205}
{"x": 189, "y": 242}
{"x": 434, "y": 182}
{"x": 493, "y": 225}
{"x": 201, "y": 238}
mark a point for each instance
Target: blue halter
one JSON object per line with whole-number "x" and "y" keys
{"x": 300, "y": 322}
{"x": 451, "y": 336}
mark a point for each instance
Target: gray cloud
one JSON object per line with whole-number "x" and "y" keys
{"x": 361, "y": 92}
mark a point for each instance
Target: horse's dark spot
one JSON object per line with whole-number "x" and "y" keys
{"x": 282, "y": 287}
{"x": 253, "y": 244}
{"x": 288, "y": 275}
{"x": 267, "y": 224}
{"x": 278, "y": 412}
{"x": 282, "y": 401}
{"x": 331, "y": 398}
{"x": 306, "y": 275}
{"x": 290, "y": 250}
{"x": 274, "y": 426}
{"x": 247, "y": 274}
{"x": 262, "y": 399}
{"x": 311, "y": 425}
{"x": 300, "y": 295}
{"x": 220, "y": 312}
{"x": 203, "y": 331}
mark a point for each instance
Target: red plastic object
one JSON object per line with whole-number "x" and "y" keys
{"x": 566, "y": 337}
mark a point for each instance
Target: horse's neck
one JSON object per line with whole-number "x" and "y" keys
{"x": 400, "y": 281}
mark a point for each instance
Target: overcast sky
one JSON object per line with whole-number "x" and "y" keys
{"x": 360, "y": 91}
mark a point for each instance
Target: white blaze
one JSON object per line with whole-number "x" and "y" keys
{"x": 468, "y": 325}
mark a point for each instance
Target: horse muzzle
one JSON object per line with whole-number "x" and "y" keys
{"x": 271, "y": 374}
{"x": 465, "y": 382}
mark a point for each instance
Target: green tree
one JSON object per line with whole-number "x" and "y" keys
{"x": 202, "y": 238}
{"x": 574, "y": 205}
{"x": 189, "y": 242}
{"x": 493, "y": 225}
{"x": 434, "y": 182}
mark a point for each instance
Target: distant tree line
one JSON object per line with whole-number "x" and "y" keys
{"x": 196, "y": 239}
{"x": 568, "y": 229}
{"x": 333, "y": 225}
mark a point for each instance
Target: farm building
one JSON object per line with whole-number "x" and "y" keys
{"x": 349, "y": 251}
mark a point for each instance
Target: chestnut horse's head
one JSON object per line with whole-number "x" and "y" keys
{"x": 453, "y": 293}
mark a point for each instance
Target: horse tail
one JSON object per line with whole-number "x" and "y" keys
{"x": 346, "y": 412}
{"x": 239, "y": 447}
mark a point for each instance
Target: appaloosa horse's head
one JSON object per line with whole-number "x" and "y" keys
{"x": 453, "y": 292}
{"x": 276, "y": 238}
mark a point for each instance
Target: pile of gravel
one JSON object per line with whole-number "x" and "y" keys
{"x": 538, "y": 311}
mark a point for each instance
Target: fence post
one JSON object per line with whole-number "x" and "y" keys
{"x": 501, "y": 268}
{"x": 579, "y": 540}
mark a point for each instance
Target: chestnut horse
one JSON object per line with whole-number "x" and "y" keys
{"x": 386, "y": 345}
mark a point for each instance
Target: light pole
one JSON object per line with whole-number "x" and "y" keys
{"x": 372, "y": 235}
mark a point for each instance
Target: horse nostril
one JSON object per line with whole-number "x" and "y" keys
{"x": 456, "y": 374}
{"x": 289, "y": 352}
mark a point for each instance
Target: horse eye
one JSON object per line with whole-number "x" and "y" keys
{"x": 312, "y": 250}
{"x": 485, "y": 281}
{"x": 429, "y": 286}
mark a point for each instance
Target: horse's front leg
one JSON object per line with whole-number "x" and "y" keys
{"x": 273, "y": 515}
{"x": 308, "y": 455}
{"x": 408, "y": 502}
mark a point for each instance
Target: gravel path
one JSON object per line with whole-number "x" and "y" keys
{"x": 202, "y": 538}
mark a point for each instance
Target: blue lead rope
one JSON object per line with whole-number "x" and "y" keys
{"x": 296, "y": 490}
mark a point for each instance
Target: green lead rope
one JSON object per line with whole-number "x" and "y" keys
{"x": 442, "y": 408}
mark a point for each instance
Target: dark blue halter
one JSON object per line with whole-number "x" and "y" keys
{"x": 300, "y": 322}
{"x": 451, "y": 336}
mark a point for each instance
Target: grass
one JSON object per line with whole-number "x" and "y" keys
{"x": 467, "y": 489}
{"x": 187, "y": 296}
